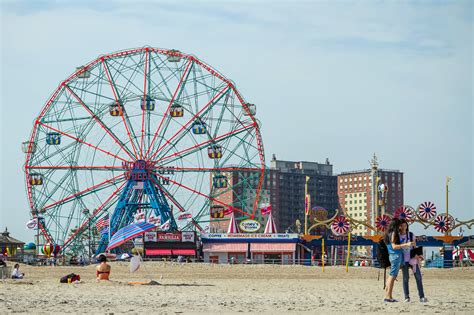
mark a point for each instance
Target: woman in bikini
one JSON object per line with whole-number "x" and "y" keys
{"x": 103, "y": 269}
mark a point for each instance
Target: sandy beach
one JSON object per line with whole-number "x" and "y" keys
{"x": 224, "y": 289}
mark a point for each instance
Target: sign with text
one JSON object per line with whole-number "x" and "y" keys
{"x": 187, "y": 237}
{"x": 253, "y": 235}
{"x": 169, "y": 237}
{"x": 249, "y": 225}
{"x": 151, "y": 237}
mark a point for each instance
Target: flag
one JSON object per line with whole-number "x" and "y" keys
{"x": 266, "y": 209}
{"x": 139, "y": 216}
{"x": 165, "y": 226}
{"x": 307, "y": 203}
{"x": 30, "y": 225}
{"x": 185, "y": 215}
{"x": 102, "y": 222}
{"x": 154, "y": 220}
{"x": 228, "y": 211}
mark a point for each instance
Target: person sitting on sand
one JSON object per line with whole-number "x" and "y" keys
{"x": 16, "y": 274}
{"x": 103, "y": 269}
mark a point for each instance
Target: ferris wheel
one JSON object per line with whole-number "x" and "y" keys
{"x": 146, "y": 130}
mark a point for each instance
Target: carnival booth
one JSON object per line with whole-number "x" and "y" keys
{"x": 169, "y": 245}
{"x": 235, "y": 247}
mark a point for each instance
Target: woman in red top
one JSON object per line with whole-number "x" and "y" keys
{"x": 103, "y": 269}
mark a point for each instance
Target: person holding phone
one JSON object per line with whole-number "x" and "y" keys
{"x": 410, "y": 262}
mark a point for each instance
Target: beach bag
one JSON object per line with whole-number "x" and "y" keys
{"x": 71, "y": 276}
{"x": 383, "y": 260}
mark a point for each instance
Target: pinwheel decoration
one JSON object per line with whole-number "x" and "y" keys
{"x": 340, "y": 225}
{"x": 405, "y": 212}
{"x": 427, "y": 210}
{"x": 382, "y": 222}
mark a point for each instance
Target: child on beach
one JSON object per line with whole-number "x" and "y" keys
{"x": 16, "y": 274}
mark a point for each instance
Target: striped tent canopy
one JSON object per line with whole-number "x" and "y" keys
{"x": 232, "y": 225}
{"x": 271, "y": 226}
{"x": 128, "y": 232}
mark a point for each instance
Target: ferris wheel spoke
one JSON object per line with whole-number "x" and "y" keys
{"x": 211, "y": 169}
{"x": 202, "y": 194}
{"x": 94, "y": 214}
{"x": 83, "y": 192}
{"x": 117, "y": 99}
{"x": 185, "y": 73}
{"x": 201, "y": 145}
{"x": 77, "y": 167}
{"x": 206, "y": 108}
{"x": 145, "y": 79}
{"x": 100, "y": 122}
{"x": 81, "y": 141}
{"x": 176, "y": 203}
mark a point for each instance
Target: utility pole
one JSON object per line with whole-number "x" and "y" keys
{"x": 307, "y": 199}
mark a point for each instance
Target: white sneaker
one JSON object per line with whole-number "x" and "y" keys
{"x": 407, "y": 300}
{"x": 423, "y": 300}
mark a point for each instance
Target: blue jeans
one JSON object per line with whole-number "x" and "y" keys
{"x": 395, "y": 262}
{"x": 419, "y": 284}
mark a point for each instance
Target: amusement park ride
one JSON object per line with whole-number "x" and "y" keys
{"x": 159, "y": 132}
{"x": 342, "y": 223}
{"x": 142, "y": 130}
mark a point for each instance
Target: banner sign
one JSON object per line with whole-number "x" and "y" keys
{"x": 169, "y": 237}
{"x": 187, "y": 237}
{"x": 249, "y": 226}
{"x": 151, "y": 237}
{"x": 253, "y": 235}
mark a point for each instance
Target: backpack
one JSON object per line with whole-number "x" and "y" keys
{"x": 382, "y": 255}
{"x": 383, "y": 260}
{"x": 71, "y": 276}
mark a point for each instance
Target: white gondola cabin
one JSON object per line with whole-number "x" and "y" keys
{"x": 219, "y": 181}
{"x": 116, "y": 109}
{"x": 252, "y": 109}
{"x": 174, "y": 56}
{"x": 28, "y": 147}
{"x": 214, "y": 151}
{"x": 165, "y": 181}
{"x": 148, "y": 104}
{"x": 176, "y": 110}
{"x": 84, "y": 74}
{"x": 35, "y": 179}
{"x": 217, "y": 211}
{"x": 53, "y": 138}
{"x": 199, "y": 128}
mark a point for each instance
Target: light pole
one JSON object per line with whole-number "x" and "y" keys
{"x": 86, "y": 212}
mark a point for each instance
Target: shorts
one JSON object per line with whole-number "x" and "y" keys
{"x": 395, "y": 261}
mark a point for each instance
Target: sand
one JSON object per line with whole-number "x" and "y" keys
{"x": 225, "y": 289}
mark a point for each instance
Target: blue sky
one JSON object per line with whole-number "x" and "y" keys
{"x": 338, "y": 79}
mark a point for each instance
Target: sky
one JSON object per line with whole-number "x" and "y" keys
{"x": 331, "y": 79}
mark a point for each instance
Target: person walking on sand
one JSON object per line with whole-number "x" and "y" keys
{"x": 103, "y": 269}
{"x": 405, "y": 237}
{"x": 395, "y": 250}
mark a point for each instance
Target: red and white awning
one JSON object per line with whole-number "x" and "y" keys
{"x": 232, "y": 225}
{"x": 271, "y": 226}
{"x": 273, "y": 247}
{"x": 225, "y": 247}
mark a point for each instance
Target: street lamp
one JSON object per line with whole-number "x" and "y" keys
{"x": 86, "y": 212}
